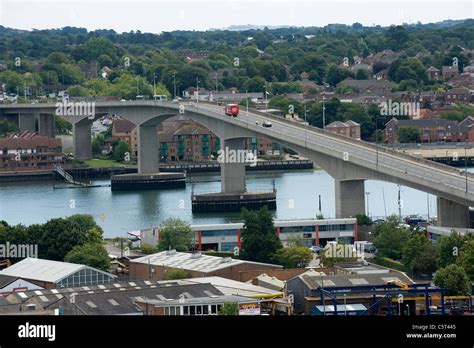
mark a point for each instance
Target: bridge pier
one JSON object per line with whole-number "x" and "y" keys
{"x": 148, "y": 150}
{"x": 26, "y": 122}
{"x": 350, "y": 198}
{"x": 149, "y": 176}
{"x": 452, "y": 214}
{"x": 233, "y": 195}
{"x": 82, "y": 139}
{"x": 46, "y": 125}
{"x": 233, "y": 172}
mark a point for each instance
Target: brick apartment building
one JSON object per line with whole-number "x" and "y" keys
{"x": 154, "y": 266}
{"x": 126, "y": 131}
{"x": 433, "y": 130}
{"x": 349, "y": 128}
{"x": 27, "y": 151}
{"x": 182, "y": 139}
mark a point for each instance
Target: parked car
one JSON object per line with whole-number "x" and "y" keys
{"x": 315, "y": 248}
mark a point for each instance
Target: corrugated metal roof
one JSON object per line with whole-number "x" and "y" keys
{"x": 190, "y": 262}
{"x": 44, "y": 270}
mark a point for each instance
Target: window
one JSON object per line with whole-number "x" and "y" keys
{"x": 213, "y": 309}
{"x": 198, "y": 310}
{"x": 205, "y": 310}
{"x": 185, "y": 310}
{"x": 192, "y": 310}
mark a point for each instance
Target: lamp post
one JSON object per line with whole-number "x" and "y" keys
{"x": 468, "y": 146}
{"x": 368, "y": 209}
{"x": 154, "y": 85}
{"x": 247, "y": 106}
{"x": 174, "y": 84}
{"x": 376, "y": 142}
{"x": 324, "y": 115}
{"x": 217, "y": 91}
{"x": 197, "y": 90}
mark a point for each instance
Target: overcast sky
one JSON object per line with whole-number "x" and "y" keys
{"x": 166, "y": 15}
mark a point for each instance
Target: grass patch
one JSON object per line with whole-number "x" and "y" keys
{"x": 101, "y": 163}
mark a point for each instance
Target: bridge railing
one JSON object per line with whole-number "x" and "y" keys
{"x": 362, "y": 143}
{"x": 441, "y": 166}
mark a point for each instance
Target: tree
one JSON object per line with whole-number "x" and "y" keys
{"x": 293, "y": 256}
{"x": 449, "y": 248}
{"x": 466, "y": 258}
{"x": 397, "y": 37}
{"x": 7, "y": 127}
{"x": 85, "y": 223}
{"x": 121, "y": 150}
{"x": 98, "y": 144}
{"x": 389, "y": 238}
{"x": 61, "y": 125}
{"x": 90, "y": 254}
{"x": 254, "y": 84}
{"x": 78, "y": 91}
{"x": 176, "y": 234}
{"x": 148, "y": 249}
{"x": 363, "y": 220}
{"x": 454, "y": 279}
{"x": 361, "y": 74}
{"x": 408, "y": 135}
{"x": 59, "y": 237}
{"x": 229, "y": 308}
{"x": 259, "y": 240}
{"x": 419, "y": 255}
{"x": 336, "y": 74}
{"x": 175, "y": 273}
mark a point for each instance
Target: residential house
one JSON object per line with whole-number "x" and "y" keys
{"x": 458, "y": 95}
{"x": 349, "y": 128}
{"x": 431, "y": 130}
{"x": 28, "y": 151}
{"x": 369, "y": 86}
{"x": 449, "y": 71}
{"x": 126, "y": 131}
{"x": 381, "y": 75}
{"x": 433, "y": 73}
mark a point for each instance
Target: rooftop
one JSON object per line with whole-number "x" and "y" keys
{"x": 342, "y": 280}
{"x": 234, "y": 287}
{"x": 191, "y": 262}
{"x": 45, "y": 270}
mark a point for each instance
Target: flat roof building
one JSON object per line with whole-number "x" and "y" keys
{"x": 56, "y": 274}
{"x": 226, "y": 237}
{"x": 197, "y": 265}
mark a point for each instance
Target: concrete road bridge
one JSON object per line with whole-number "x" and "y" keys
{"x": 350, "y": 162}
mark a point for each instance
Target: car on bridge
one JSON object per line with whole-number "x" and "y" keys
{"x": 266, "y": 124}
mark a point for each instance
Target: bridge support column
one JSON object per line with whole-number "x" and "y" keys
{"x": 82, "y": 139}
{"x": 46, "y": 125}
{"x": 233, "y": 166}
{"x": 233, "y": 195}
{"x": 350, "y": 198}
{"x": 148, "y": 177}
{"x": 26, "y": 122}
{"x": 148, "y": 150}
{"x": 452, "y": 214}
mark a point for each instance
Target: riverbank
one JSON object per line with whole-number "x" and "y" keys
{"x": 189, "y": 168}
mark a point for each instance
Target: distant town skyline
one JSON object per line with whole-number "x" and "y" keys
{"x": 166, "y": 15}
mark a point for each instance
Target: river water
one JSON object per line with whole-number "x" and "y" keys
{"x": 117, "y": 212}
